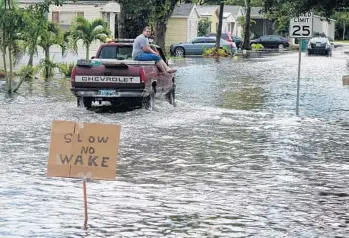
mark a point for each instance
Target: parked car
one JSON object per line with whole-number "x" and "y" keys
{"x": 319, "y": 45}
{"x": 227, "y": 37}
{"x": 224, "y": 36}
{"x": 198, "y": 45}
{"x": 113, "y": 76}
{"x": 271, "y": 41}
{"x": 238, "y": 41}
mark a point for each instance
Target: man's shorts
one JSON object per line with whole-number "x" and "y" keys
{"x": 148, "y": 57}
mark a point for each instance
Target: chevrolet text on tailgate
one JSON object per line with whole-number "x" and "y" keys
{"x": 114, "y": 77}
{"x": 107, "y": 79}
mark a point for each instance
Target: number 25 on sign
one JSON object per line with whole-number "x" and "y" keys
{"x": 302, "y": 26}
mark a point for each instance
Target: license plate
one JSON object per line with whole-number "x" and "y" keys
{"x": 107, "y": 92}
{"x": 318, "y": 44}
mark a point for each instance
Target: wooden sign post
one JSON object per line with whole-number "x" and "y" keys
{"x": 83, "y": 150}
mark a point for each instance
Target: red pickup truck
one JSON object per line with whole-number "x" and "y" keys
{"x": 114, "y": 77}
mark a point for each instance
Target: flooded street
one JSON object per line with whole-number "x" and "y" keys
{"x": 231, "y": 160}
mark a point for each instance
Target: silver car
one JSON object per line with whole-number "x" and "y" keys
{"x": 198, "y": 45}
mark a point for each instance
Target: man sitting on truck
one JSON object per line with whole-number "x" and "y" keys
{"x": 143, "y": 52}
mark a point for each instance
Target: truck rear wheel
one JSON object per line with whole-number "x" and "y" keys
{"x": 171, "y": 96}
{"x": 87, "y": 102}
{"x": 148, "y": 102}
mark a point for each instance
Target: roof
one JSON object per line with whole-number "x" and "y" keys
{"x": 257, "y": 11}
{"x": 324, "y": 18}
{"x": 182, "y": 10}
{"x": 226, "y": 14}
{"x": 206, "y": 10}
{"x": 234, "y": 10}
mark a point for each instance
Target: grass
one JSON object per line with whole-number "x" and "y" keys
{"x": 342, "y": 41}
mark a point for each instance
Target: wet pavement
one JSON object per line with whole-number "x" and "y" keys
{"x": 231, "y": 160}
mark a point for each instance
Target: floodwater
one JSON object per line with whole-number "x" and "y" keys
{"x": 231, "y": 160}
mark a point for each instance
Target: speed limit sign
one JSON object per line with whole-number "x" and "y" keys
{"x": 302, "y": 26}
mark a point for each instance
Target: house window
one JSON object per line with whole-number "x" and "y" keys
{"x": 55, "y": 17}
{"x": 65, "y": 17}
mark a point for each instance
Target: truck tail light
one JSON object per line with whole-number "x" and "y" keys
{"x": 73, "y": 72}
{"x": 142, "y": 75}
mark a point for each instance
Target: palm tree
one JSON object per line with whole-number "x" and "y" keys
{"x": 51, "y": 36}
{"x": 38, "y": 32}
{"x": 10, "y": 22}
{"x": 88, "y": 32}
{"x": 28, "y": 38}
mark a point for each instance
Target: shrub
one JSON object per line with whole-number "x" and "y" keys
{"x": 66, "y": 68}
{"x": 30, "y": 72}
{"x": 257, "y": 47}
{"x": 212, "y": 52}
{"x": 2, "y": 73}
{"x": 47, "y": 65}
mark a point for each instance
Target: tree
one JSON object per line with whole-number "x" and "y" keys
{"x": 29, "y": 37}
{"x": 13, "y": 22}
{"x": 50, "y": 35}
{"x": 88, "y": 32}
{"x": 241, "y": 20}
{"x": 204, "y": 27}
{"x": 163, "y": 11}
{"x": 247, "y": 32}
{"x": 281, "y": 17}
{"x": 220, "y": 23}
{"x": 343, "y": 21}
{"x": 137, "y": 14}
{"x": 248, "y": 5}
{"x": 328, "y": 7}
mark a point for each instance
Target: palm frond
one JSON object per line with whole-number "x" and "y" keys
{"x": 18, "y": 51}
{"x": 99, "y": 22}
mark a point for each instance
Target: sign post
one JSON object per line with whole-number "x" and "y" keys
{"x": 83, "y": 150}
{"x": 85, "y": 201}
{"x": 301, "y": 27}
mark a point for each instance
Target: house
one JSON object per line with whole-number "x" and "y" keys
{"x": 209, "y": 12}
{"x": 231, "y": 23}
{"x": 230, "y": 18}
{"x": 228, "y": 22}
{"x": 65, "y": 14}
{"x": 263, "y": 25}
{"x": 182, "y": 25}
{"x": 321, "y": 25}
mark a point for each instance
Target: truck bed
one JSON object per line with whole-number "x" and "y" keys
{"x": 126, "y": 62}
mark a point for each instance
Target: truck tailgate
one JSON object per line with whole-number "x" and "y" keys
{"x": 108, "y": 76}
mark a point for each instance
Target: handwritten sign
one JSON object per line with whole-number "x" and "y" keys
{"x": 79, "y": 150}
